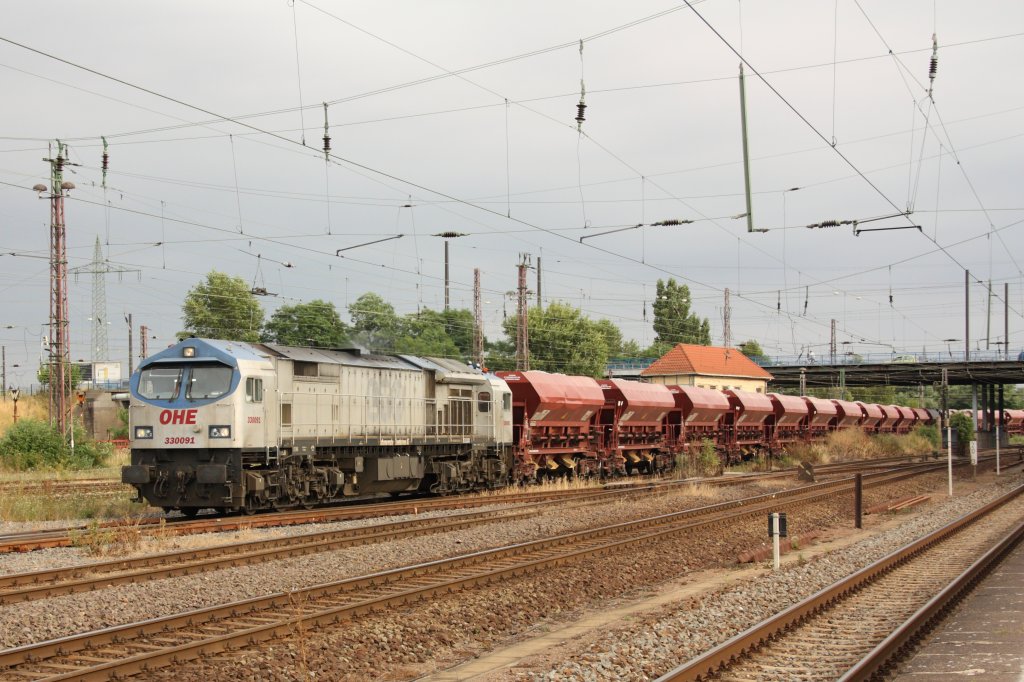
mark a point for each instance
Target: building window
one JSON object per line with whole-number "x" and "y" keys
{"x": 253, "y": 390}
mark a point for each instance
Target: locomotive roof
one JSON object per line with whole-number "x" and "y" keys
{"x": 330, "y": 356}
{"x": 447, "y": 370}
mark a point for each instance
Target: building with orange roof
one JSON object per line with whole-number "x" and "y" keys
{"x": 708, "y": 367}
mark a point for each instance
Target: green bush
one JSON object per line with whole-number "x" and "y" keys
{"x": 34, "y": 444}
{"x": 931, "y": 434}
{"x": 707, "y": 460}
{"x": 121, "y": 430}
{"x": 964, "y": 427}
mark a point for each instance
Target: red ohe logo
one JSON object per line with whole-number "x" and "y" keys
{"x": 178, "y": 416}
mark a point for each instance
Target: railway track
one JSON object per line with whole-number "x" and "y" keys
{"x": 89, "y": 577}
{"x": 858, "y": 627}
{"x": 63, "y": 537}
{"x": 136, "y": 647}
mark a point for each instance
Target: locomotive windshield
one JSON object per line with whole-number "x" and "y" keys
{"x": 160, "y": 383}
{"x": 210, "y": 381}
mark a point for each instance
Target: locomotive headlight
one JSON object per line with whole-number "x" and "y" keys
{"x": 188, "y": 352}
{"x": 143, "y": 432}
{"x": 220, "y": 432}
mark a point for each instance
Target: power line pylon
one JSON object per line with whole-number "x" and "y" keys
{"x": 522, "y": 317}
{"x": 478, "y": 321}
{"x": 59, "y": 364}
{"x": 98, "y": 268}
{"x": 726, "y": 321}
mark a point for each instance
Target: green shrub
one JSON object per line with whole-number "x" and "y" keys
{"x": 888, "y": 444}
{"x": 34, "y": 444}
{"x": 929, "y": 433}
{"x": 964, "y": 427}
{"x": 121, "y": 430}
{"x": 707, "y": 460}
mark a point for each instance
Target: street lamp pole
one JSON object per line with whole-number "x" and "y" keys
{"x": 447, "y": 236}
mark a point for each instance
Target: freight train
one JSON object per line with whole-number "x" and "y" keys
{"x": 244, "y": 426}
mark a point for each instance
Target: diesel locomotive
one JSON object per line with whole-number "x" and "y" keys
{"x": 246, "y": 426}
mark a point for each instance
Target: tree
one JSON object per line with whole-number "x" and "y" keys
{"x": 457, "y": 323}
{"x": 222, "y": 307}
{"x": 752, "y": 349}
{"x": 307, "y": 324}
{"x": 74, "y": 376}
{"x": 612, "y": 337}
{"x": 673, "y": 321}
{"x": 374, "y": 321}
{"x": 563, "y": 340}
{"x": 425, "y": 337}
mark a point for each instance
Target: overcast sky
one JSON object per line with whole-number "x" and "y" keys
{"x": 460, "y": 116}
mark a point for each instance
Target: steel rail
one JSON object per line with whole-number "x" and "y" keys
{"x": 712, "y": 661}
{"x": 43, "y": 584}
{"x": 893, "y": 647}
{"x": 34, "y": 540}
{"x": 271, "y": 615}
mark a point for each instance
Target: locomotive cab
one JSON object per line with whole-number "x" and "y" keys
{"x": 194, "y": 408}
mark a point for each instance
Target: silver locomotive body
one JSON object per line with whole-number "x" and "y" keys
{"x": 238, "y": 426}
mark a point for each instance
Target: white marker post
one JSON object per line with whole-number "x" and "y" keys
{"x": 776, "y": 530}
{"x": 997, "y": 447}
{"x": 949, "y": 454}
{"x": 974, "y": 459}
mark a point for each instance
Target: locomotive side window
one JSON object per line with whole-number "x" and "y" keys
{"x": 506, "y": 401}
{"x": 208, "y": 382}
{"x": 483, "y": 402}
{"x": 286, "y": 414}
{"x": 301, "y": 368}
{"x": 160, "y": 383}
{"x": 253, "y": 390}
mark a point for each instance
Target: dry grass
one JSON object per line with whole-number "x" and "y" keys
{"x": 702, "y": 491}
{"x": 95, "y": 540}
{"x": 842, "y": 446}
{"x": 36, "y": 505}
{"x": 111, "y": 470}
{"x": 29, "y": 407}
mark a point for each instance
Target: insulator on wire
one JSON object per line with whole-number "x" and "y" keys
{"x": 327, "y": 136}
{"x": 933, "y": 65}
{"x": 580, "y": 118}
{"x": 106, "y": 161}
{"x": 581, "y": 107}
